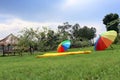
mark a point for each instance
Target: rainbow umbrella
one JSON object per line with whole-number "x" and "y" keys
{"x": 105, "y": 40}
{"x": 63, "y": 46}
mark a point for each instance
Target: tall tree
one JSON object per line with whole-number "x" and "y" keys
{"x": 87, "y": 33}
{"x": 28, "y": 39}
{"x": 75, "y": 31}
{"x": 111, "y": 21}
{"x": 82, "y": 36}
{"x": 52, "y": 40}
{"x": 47, "y": 39}
{"x": 64, "y": 30}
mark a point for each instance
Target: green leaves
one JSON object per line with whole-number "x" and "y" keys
{"x": 47, "y": 39}
{"x": 111, "y": 21}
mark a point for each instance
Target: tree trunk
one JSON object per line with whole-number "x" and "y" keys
{"x": 31, "y": 50}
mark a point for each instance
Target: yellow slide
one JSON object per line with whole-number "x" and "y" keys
{"x": 62, "y": 54}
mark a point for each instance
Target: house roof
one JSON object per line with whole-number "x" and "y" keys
{"x": 10, "y": 39}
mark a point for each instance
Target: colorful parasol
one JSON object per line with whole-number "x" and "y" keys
{"x": 63, "y": 46}
{"x": 105, "y": 40}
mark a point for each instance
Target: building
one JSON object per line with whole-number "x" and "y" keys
{"x": 7, "y": 43}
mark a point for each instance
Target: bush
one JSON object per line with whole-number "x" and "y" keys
{"x": 85, "y": 43}
{"x": 117, "y": 40}
{"x": 77, "y": 44}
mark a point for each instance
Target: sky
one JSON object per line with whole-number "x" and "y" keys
{"x": 15, "y": 15}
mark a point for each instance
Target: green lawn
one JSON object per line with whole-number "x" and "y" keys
{"x": 99, "y": 65}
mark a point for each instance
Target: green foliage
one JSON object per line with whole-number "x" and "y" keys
{"x": 27, "y": 37}
{"x": 85, "y": 43}
{"x": 80, "y": 44}
{"x": 64, "y": 30}
{"x": 87, "y": 33}
{"x": 41, "y": 46}
{"x": 80, "y": 37}
{"x": 80, "y": 33}
{"x": 111, "y": 21}
{"x": 117, "y": 41}
{"x": 75, "y": 32}
{"x": 76, "y": 44}
{"x": 110, "y": 17}
{"x": 47, "y": 39}
{"x": 99, "y": 65}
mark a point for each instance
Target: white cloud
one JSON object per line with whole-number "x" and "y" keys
{"x": 15, "y": 25}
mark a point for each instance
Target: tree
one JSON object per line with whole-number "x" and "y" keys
{"x": 87, "y": 33}
{"x": 75, "y": 31}
{"x": 64, "y": 31}
{"x": 27, "y": 39}
{"x": 111, "y": 21}
{"x": 82, "y": 36}
{"x": 47, "y": 39}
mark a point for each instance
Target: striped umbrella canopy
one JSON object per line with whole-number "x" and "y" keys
{"x": 63, "y": 46}
{"x": 105, "y": 40}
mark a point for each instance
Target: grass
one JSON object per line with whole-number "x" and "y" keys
{"x": 99, "y": 65}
